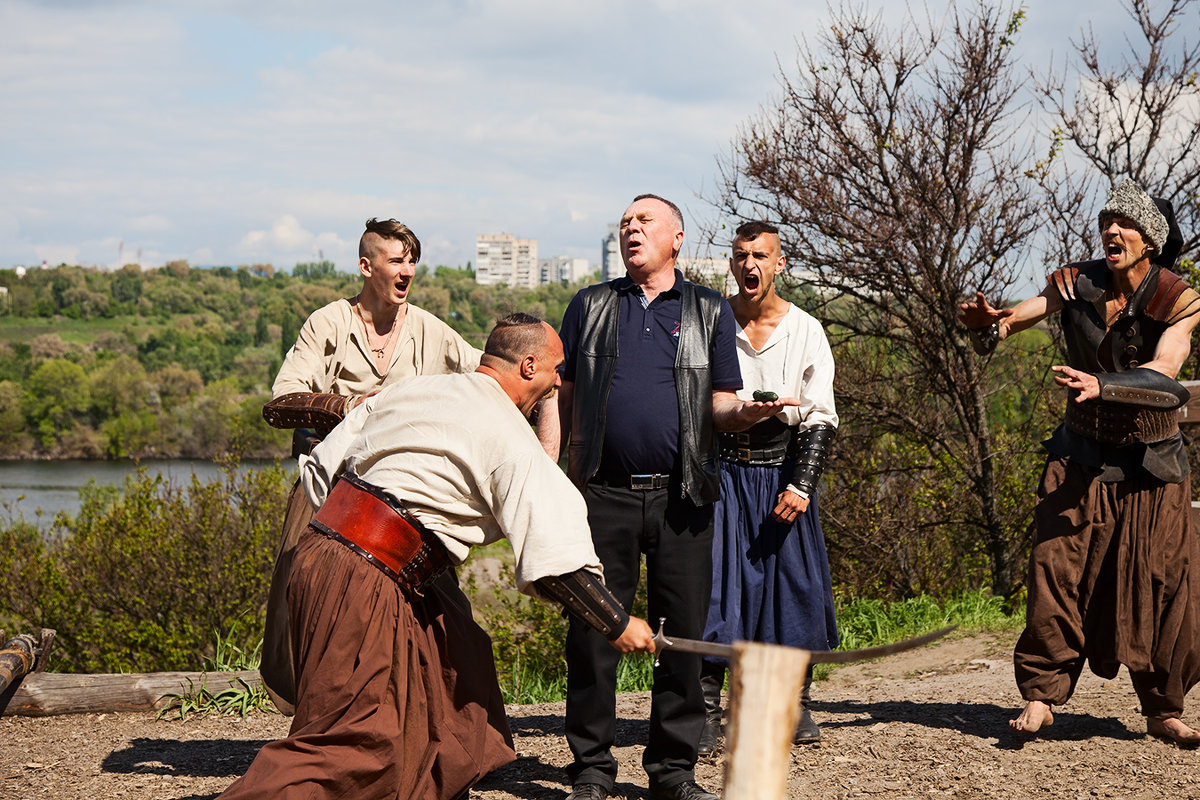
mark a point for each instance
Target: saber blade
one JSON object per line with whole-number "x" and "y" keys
{"x": 661, "y": 643}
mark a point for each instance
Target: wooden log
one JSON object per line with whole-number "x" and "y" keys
{"x": 764, "y": 707}
{"x": 44, "y": 694}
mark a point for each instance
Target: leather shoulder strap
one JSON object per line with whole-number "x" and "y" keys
{"x": 1173, "y": 299}
{"x": 1064, "y": 279}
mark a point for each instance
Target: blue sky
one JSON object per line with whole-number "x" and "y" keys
{"x": 235, "y": 133}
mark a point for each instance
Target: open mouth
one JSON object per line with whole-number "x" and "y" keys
{"x": 1113, "y": 250}
{"x": 751, "y": 282}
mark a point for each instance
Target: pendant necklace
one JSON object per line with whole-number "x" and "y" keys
{"x": 378, "y": 351}
{"x": 1122, "y": 301}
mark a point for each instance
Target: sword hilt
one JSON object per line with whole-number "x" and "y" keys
{"x": 661, "y": 642}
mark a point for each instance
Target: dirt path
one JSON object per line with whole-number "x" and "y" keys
{"x": 926, "y": 724}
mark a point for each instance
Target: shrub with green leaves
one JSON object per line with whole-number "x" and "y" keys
{"x": 141, "y": 578}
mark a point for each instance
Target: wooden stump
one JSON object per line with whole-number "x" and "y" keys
{"x": 764, "y": 707}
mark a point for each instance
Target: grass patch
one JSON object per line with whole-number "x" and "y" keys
{"x": 864, "y": 623}
{"x": 532, "y": 670}
{"x": 240, "y": 698}
{"x": 75, "y": 331}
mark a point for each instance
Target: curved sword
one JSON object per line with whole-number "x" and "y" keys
{"x": 661, "y": 643}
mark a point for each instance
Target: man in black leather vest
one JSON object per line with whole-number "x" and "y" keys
{"x": 1111, "y": 575}
{"x": 650, "y": 375}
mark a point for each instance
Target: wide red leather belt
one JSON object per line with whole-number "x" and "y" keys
{"x": 382, "y": 531}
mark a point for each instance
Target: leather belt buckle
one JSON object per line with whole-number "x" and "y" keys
{"x": 647, "y": 481}
{"x": 743, "y": 454}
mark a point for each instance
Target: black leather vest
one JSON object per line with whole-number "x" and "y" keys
{"x": 1129, "y": 343}
{"x": 1134, "y": 336}
{"x": 596, "y": 363}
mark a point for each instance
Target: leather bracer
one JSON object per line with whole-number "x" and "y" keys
{"x": 306, "y": 410}
{"x": 815, "y": 445}
{"x": 1146, "y": 388}
{"x": 583, "y": 594}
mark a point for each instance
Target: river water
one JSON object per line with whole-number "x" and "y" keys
{"x": 37, "y": 490}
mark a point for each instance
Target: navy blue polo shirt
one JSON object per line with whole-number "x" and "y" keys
{"x": 641, "y": 432}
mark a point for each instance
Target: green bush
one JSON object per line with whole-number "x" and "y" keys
{"x": 145, "y": 577}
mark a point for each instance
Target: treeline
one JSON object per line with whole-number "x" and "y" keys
{"x": 177, "y": 361}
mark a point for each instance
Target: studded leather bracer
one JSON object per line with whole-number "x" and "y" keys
{"x": 585, "y": 595}
{"x": 1146, "y": 388}
{"x": 813, "y": 454}
{"x": 306, "y": 410}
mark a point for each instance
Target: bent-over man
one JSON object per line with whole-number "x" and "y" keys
{"x": 396, "y": 687}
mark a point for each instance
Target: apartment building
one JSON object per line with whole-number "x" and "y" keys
{"x": 503, "y": 258}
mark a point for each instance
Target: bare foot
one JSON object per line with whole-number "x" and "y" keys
{"x": 1173, "y": 730}
{"x": 1035, "y": 717}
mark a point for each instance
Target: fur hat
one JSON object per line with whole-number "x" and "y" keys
{"x": 1129, "y": 201}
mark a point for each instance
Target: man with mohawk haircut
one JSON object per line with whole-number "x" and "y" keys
{"x": 1110, "y": 575}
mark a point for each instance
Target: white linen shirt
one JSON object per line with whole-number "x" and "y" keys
{"x": 456, "y": 451}
{"x": 795, "y": 362}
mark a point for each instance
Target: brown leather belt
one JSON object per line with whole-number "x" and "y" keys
{"x": 382, "y": 531}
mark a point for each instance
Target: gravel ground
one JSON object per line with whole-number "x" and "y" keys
{"x": 925, "y": 724}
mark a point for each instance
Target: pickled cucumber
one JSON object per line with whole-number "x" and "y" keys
{"x": 761, "y": 396}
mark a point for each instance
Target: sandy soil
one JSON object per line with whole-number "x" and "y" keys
{"x": 924, "y": 724}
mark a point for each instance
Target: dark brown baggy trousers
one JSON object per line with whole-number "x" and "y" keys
{"x": 394, "y": 699}
{"x": 276, "y": 665}
{"x": 1110, "y": 581}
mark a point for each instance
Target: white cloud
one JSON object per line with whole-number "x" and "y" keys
{"x": 225, "y": 133}
{"x": 288, "y": 238}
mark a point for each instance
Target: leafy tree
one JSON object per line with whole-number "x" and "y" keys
{"x": 118, "y": 387}
{"x": 178, "y": 268}
{"x": 174, "y": 385}
{"x": 13, "y": 436}
{"x": 57, "y": 397}
{"x": 48, "y": 345}
{"x": 127, "y": 284}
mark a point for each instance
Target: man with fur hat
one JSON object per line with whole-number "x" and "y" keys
{"x": 1110, "y": 575}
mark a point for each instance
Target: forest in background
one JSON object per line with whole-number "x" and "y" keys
{"x": 177, "y": 361}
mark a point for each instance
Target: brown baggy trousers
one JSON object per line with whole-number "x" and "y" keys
{"x": 1111, "y": 581}
{"x": 395, "y": 699}
{"x": 276, "y": 667}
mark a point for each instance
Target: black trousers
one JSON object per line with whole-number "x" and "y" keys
{"x": 676, "y": 537}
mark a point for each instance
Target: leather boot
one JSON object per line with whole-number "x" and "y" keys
{"x": 712, "y": 678}
{"x": 807, "y": 731}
